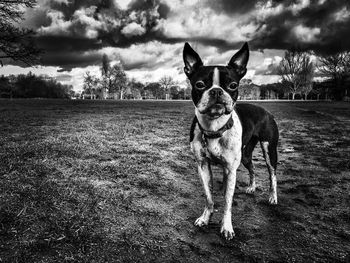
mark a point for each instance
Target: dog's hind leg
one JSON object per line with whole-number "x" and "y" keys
{"x": 252, "y": 185}
{"x": 247, "y": 162}
{"x": 270, "y": 155}
{"x": 204, "y": 171}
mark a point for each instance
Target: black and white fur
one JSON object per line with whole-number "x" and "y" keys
{"x": 214, "y": 94}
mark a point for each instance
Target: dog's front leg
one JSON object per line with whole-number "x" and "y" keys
{"x": 204, "y": 172}
{"x": 226, "y": 223}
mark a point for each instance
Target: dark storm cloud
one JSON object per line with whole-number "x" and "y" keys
{"x": 109, "y": 25}
{"x": 278, "y": 33}
{"x": 68, "y": 52}
{"x": 69, "y": 9}
{"x": 35, "y": 18}
{"x": 221, "y": 44}
{"x": 232, "y": 7}
{"x": 145, "y": 5}
{"x": 69, "y": 60}
{"x": 67, "y": 43}
{"x": 278, "y": 28}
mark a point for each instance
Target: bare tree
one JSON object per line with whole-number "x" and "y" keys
{"x": 113, "y": 77}
{"x": 307, "y": 75}
{"x": 105, "y": 68}
{"x": 336, "y": 68}
{"x": 134, "y": 89}
{"x": 295, "y": 69}
{"x": 106, "y": 81}
{"x": 16, "y": 43}
{"x": 90, "y": 84}
{"x": 166, "y": 82}
{"x": 117, "y": 80}
{"x": 306, "y": 89}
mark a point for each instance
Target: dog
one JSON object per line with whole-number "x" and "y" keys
{"x": 226, "y": 133}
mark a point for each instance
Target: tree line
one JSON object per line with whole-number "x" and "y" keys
{"x": 113, "y": 83}
{"x": 303, "y": 75}
{"x": 298, "y": 71}
{"x": 33, "y": 86}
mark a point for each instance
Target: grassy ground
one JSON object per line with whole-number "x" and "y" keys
{"x": 91, "y": 181}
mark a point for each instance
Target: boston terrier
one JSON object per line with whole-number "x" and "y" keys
{"x": 225, "y": 133}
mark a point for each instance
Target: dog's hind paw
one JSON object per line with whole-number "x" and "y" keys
{"x": 273, "y": 199}
{"x": 201, "y": 222}
{"x": 250, "y": 189}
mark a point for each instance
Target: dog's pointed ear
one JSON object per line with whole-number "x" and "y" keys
{"x": 240, "y": 59}
{"x": 191, "y": 59}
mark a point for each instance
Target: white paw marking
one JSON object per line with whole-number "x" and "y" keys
{"x": 227, "y": 231}
{"x": 201, "y": 221}
{"x": 273, "y": 199}
{"x": 250, "y": 189}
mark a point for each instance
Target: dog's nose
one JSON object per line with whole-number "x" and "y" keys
{"x": 215, "y": 92}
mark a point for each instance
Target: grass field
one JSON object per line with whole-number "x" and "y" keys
{"x": 114, "y": 181}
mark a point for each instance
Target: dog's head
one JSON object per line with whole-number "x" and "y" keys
{"x": 215, "y": 88}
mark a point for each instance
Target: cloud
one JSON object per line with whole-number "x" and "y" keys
{"x": 64, "y": 77}
{"x": 81, "y": 23}
{"x": 294, "y": 20}
{"x": 123, "y": 4}
{"x": 84, "y": 21}
{"x": 306, "y": 34}
{"x": 342, "y": 15}
{"x": 151, "y": 55}
{"x": 224, "y": 24}
{"x": 232, "y": 7}
{"x": 147, "y": 36}
{"x": 58, "y": 26}
{"x": 61, "y": 1}
{"x": 299, "y": 5}
{"x": 133, "y": 29}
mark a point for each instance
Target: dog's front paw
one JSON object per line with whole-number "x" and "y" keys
{"x": 273, "y": 198}
{"x": 201, "y": 221}
{"x": 250, "y": 189}
{"x": 227, "y": 231}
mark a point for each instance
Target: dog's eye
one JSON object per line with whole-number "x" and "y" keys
{"x": 200, "y": 85}
{"x": 232, "y": 86}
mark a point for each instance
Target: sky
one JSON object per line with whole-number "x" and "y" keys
{"x": 147, "y": 36}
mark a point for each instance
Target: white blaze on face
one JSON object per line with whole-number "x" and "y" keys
{"x": 216, "y": 77}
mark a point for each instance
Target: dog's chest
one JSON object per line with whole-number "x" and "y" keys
{"x": 221, "y": 149}
{"x": 213, "y": 150}
{"x": 218, "y": 150}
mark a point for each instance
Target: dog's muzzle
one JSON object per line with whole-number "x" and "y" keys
{"x": 215, "y": 103}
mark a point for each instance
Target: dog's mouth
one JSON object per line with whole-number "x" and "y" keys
{"x": 216, "y": 110}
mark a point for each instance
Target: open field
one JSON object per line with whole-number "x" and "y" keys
{"x": 111, "y": 181}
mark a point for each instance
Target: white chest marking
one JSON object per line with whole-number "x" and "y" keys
{"x": 226, "y": 149}
{"x": 229, "y": 145}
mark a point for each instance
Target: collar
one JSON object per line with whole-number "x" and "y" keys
{"x": 218, "y": 133}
